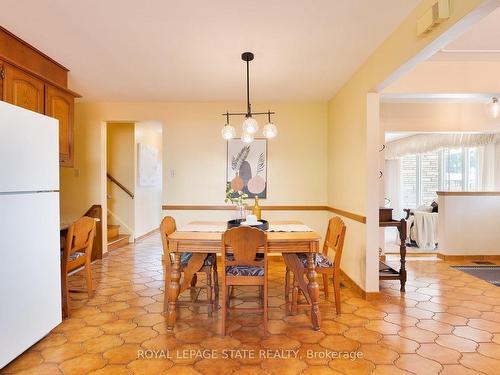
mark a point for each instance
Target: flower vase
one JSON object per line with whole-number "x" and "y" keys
{"x": 240, "y": 212}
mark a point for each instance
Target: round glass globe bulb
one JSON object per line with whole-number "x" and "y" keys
{"x": 247, "y": 138}
{"x": 270, "y": 130}
{"x": 250, "y": 125}
{"x": 228, "y": 132}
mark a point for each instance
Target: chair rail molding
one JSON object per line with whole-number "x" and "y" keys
{"x": 338, "y": 211}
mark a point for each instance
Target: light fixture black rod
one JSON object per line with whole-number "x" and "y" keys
{"x": 244, "y": 113}
{"x": 249, "y": 109}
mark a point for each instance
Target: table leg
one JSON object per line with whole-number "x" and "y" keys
{"x": 402, "y": 252}
{"x": 313, "y": 289}
{"x": 173, "y": 291}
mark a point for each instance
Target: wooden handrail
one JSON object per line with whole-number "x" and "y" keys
{"x": 120, "y": 185}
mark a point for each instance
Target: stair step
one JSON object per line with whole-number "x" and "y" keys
{"x": 118, "y": 241}
{"x": 113, "y": 230}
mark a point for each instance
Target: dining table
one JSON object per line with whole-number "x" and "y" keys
{"x": 286, "y": 238}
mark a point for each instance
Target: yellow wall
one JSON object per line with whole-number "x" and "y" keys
{"x": 350, "y": 149}
{"x": 194, "y": 149}
{"x": 120, "y": 150}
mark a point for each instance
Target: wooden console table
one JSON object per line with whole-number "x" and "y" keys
{"x": 386, "y": 272}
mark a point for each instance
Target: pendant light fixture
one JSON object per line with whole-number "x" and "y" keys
{"x": 250, "y": 126}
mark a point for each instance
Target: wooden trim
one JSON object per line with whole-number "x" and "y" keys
{"x": 349, "y": 215}
{"x": 454, "y": 258}
{"x": 230, "y": 208}
{"x": 471, "y": 193}
{"x": 146, "y": 235}
{"x": 369, "y": 296}
{"x": 120, "y": 185}
{"x": 32, "y": 48}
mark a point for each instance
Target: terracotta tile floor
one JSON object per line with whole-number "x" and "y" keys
{"x": 447, "y": 323}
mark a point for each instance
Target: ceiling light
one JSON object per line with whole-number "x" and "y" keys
{"x": 228, "y": 132}
{"x": 247, "y": 138}
{"x": 270, "y": 130}
{"x": 495, "y": 107}
{"x": 250, "y": 125}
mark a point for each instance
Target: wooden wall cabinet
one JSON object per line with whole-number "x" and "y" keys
{"x": 32, "y": 80}
{"x": 23, "y": 90}
{"x": 59, "y": 104}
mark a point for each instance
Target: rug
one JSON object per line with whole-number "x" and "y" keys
{"x": 490, "y": 274}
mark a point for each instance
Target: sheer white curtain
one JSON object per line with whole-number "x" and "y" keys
{"x": 486, "y": 166}
{"x": 392, "y": 185}
{"x": 422, "y": 143}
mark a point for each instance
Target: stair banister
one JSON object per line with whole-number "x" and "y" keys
{"x": 120, "y": 185}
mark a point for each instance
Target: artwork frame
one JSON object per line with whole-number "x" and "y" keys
{"x": 250, "y": 166}
{"x": 148, "y": 168}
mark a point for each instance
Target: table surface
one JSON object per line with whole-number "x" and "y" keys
{"x": 277, "y": 241}
{"x": 217, "y": 236}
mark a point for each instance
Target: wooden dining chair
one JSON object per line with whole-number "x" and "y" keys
{"x": 77, "y": 252}
{"x": 325, "y": 265}
{"x": 209, "y": 268}
{"x": 242, "y": 265}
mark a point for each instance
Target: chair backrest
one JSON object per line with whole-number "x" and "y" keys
{"x": 244, "y": 243}
{"x": 80, "y": 237}
{"x": 167, "y": 227}
{"x": 334, "y": 239}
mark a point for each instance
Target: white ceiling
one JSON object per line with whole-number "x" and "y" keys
{"x": 153, "y": 50}
{"x": 480, "y": 43}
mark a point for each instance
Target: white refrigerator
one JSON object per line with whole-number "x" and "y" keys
{"x": 30, "y": 287}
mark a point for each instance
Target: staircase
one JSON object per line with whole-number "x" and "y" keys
{"x": 115, "y": 239}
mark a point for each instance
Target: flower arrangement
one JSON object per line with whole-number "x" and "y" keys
{"x": 235, "y": 197}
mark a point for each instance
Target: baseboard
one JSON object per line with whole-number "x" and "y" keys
{"x": 146, "y": 235}
{"x": 369, "y": 296}
{"x": 451, "y": 257}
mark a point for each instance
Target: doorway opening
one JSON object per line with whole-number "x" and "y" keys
{"x": 133, "y": 182}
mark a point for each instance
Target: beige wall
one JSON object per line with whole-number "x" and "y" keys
{"x": 475, "y": 233}
{"x": 120, "y": 150}
{"x": 148, "y": 199}
{"x": 441, "y": 77}
{"x": 196, "y": 153}
{"x": 352, "y": 146}
{"x": 436, "y": 117}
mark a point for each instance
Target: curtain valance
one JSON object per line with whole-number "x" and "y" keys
{"x": 422, "y": 143}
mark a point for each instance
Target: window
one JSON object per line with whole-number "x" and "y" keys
{"x": 409, "y": 180}
{"x": 453, "y": 169}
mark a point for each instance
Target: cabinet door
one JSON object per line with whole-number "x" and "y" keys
{"x": 2, "y": 80}
{"x": 60, "y": 105}
{"x": 23, "y": 90}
